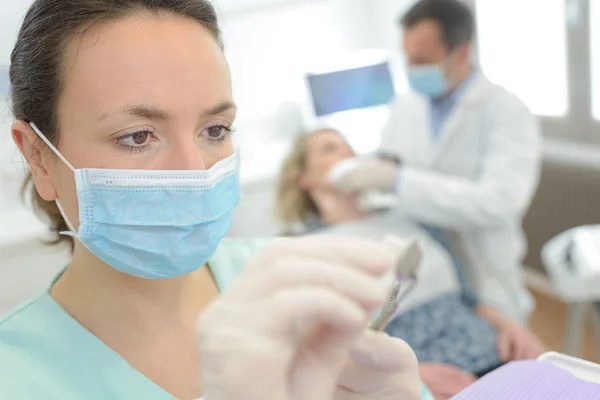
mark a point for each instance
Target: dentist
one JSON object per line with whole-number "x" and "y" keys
{"x": 469, "y": 151}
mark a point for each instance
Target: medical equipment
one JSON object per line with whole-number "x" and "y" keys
{"x": 572, "y": 259}
{"x": 428, "y": 80}
{"x": 154, "y": 224}
{"x": 581, "y": 369}
{"x": 407, "y": 266}
{"x": 350, "y": 89}
{"x": 351, "y": 93}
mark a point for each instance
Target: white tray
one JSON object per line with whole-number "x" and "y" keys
{"x": 584, "y": 370}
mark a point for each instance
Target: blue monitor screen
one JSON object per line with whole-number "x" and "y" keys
{"x": 351, "y": 89}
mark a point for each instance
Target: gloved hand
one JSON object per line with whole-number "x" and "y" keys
{"x": 285, "y": 329}
{"x": 370, "y": 175}
{"x": 380, "y": 367}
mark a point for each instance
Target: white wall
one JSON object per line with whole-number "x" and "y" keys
{"x": 386, "y": 30}
{"x": 270, "y": 50}
{"x": 11, "y": 15}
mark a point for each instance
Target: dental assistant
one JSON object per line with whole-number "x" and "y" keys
{"x": 469, "y": 151}
{"x": 123, "y": 111}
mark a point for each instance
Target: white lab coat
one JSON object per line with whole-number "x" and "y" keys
{"x": 476, "y": 180}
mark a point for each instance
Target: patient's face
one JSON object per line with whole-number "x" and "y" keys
{"x": 324, "y": 150}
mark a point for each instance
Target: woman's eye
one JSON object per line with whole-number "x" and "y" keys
{"x": 140, "y": 138}
{"x": 137, "y": 139}
{"x": 218, "y": 132}
{"x": 137, "y": 142}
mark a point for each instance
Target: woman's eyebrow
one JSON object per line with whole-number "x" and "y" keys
{"x": 157, "y": 114}
{"x": 219, "y": 108}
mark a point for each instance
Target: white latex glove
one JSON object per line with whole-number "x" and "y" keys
{"x": 380, "y": 367}
{"x": 284, "y": 330}
{"x": 375, "y": 174}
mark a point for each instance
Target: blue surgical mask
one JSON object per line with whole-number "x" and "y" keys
{"x": 154, "y": 224}
{"x": 429, "y": 80}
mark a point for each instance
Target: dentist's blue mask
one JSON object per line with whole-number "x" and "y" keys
{"x": 154, "y": 224}
{"x": 430, "y": 81}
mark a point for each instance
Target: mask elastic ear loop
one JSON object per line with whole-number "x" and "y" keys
{"x": 73, "y": 232}
{"x": 52, "y": 147}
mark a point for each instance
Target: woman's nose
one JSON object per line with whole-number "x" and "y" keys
{"x": 186, "y": 155}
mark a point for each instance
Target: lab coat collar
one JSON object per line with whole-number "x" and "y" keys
{"x": 457, "y": 93}
{"x": 477, "y": 91}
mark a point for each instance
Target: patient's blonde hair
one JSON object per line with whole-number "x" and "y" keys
{"x": 294, "y": 204}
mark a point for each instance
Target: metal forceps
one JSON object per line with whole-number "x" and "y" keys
{"x": 405, "y": 275}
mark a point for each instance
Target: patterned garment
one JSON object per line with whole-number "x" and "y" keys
{"x": 447, "y": 330}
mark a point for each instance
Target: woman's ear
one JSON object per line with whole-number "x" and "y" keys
{"x": 37, "y": 156}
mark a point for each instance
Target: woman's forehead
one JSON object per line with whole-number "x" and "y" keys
{"x": 171, "y": 60}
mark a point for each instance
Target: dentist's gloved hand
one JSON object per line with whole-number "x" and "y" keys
{"x": 294, "y": 322}
{"x": 374, "y": 174}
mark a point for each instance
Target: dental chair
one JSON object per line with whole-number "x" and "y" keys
{"x": 568, "y": 197}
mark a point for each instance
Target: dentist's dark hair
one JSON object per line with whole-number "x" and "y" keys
{"x": 454, "y": 17}
{"x": 37, "y": 70}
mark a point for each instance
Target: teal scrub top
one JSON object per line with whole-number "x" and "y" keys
{"x": 46, "y": 354}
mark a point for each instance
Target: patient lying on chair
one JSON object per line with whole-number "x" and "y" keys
{"x": 455, "y": 338}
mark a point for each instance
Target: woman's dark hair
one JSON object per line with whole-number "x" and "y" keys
{"x": 454, "y": 17}
{"x": 37, "y": 62}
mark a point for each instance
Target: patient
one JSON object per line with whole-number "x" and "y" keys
{"x": 454, "y": 336}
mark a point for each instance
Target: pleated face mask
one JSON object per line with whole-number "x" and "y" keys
{"x": 154, "y": 224}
